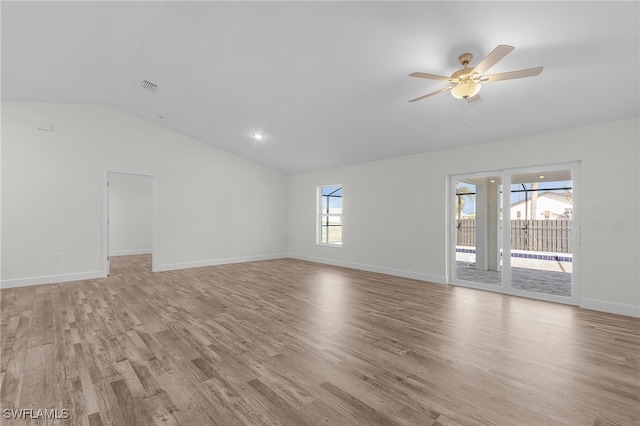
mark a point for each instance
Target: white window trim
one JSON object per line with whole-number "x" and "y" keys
{"x": 320, "y": 215}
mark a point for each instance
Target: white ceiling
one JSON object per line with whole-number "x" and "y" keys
{"x": 326, "y": 82}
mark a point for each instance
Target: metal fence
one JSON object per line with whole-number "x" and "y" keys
{"x": 532, "y": 235}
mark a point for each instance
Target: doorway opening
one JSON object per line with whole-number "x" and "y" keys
{"x": 129, "y": 221}
{"x": 514, "y": 231}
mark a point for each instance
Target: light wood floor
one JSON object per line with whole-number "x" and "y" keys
{"x": 296, "y": 343}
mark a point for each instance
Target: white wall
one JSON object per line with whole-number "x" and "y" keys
{"x": 130, "y": 214}
{"x": 395, "y": 220}
{"x": 213, "y": 207}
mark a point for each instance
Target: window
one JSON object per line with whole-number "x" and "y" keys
{"x": 330, "y": 215}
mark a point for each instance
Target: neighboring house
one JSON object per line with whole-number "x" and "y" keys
{"x": 549, "y": 205}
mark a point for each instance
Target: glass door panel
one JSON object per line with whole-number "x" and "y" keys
{"x": 478, "y": 229}
{"x": 541, "y": 226}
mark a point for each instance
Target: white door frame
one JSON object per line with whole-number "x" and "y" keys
{"x": 105, "y": 215}
{"x": 505, "y": 287}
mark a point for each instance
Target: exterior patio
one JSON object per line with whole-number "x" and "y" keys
{"x": 529, "y": 279}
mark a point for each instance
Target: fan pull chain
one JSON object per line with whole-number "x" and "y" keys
{"x": 466, "y": 112}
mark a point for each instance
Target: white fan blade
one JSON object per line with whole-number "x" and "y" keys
{"x": 529, "y": 72}
{"x": 493, "y": 58}
{"x": 431, "y": 94}
{"x": 429, "y": 76}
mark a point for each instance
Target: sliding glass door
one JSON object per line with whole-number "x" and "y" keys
{"x": 514, "y": 231}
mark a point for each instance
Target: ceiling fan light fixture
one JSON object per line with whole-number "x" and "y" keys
{"x": 466, "y": 82}
{"x": 466, "y": 89}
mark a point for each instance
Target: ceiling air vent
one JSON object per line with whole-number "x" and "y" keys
{"x": 147, "y": 85}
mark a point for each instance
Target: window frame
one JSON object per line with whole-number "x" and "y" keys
{"x": 321, "y": 215}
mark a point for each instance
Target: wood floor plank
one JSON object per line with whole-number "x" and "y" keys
{"x": 85, "y": 379}
{"x": 109, "y": 410}
{"x": 282, "y": 409}
{"x": 289, "y": 342}
{"x": 161, "y": 408}
{"x": 95, "y": 420}
{"x": 128, "y": 404}
{"x": 365, "y": 411}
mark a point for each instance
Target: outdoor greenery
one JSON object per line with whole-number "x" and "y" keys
{"x": 462, "y": 199}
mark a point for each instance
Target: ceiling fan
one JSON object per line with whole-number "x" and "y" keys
{"x": 467, "y": 81}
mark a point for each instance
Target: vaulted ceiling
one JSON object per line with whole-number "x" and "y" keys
{"x": 326, "y": 83}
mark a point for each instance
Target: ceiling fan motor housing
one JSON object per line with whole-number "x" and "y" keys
{"x": 465, "y": 81}
{"x": 461, "y": 74}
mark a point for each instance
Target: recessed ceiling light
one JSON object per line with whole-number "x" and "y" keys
{"x": 541, "y": 176}
{"x": 257, "y": 136}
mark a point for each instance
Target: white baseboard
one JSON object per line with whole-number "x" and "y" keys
{"x": 372, "y": 268}
{"x": 129, "y": 252}
{"x": 612, "y": 308}
{"x": 51, "y": 279}
{"x": 596, "y": 305}
{"x": 215, "y": 262}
